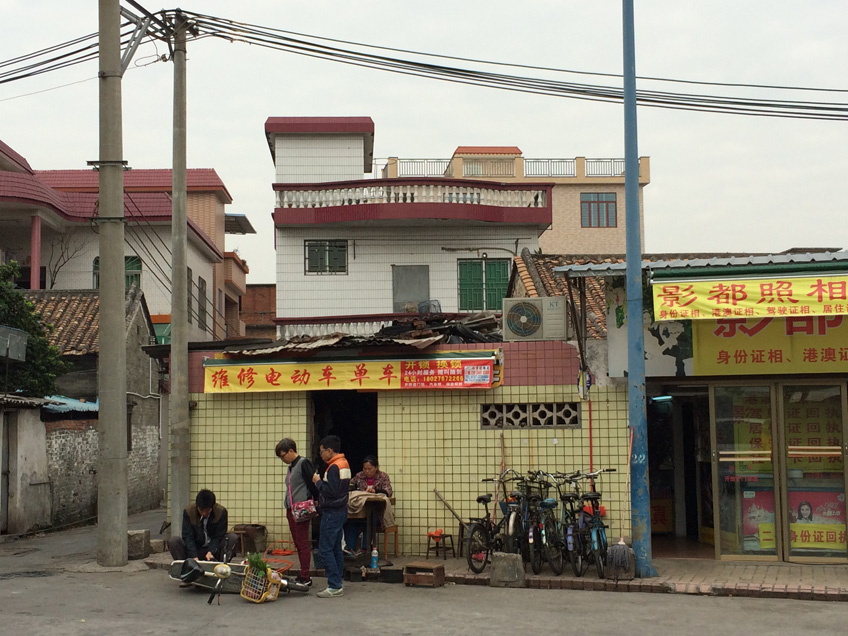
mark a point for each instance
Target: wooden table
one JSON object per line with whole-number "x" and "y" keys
{"x": 374, "y": 504}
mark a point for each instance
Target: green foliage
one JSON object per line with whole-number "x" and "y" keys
{"x": 257, "y": 564}
{"x": 37, "y": 376}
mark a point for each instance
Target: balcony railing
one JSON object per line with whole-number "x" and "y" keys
{"x": 389, "y": 191}
{"x": 495, "y": 168}
{"x": 550, "y": 168}
{"x": 488, "y": 168}
{"x": 422, "y": 167}
{"x": 604, "y": 167}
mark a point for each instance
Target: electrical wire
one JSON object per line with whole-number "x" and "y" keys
{"x": 530, "y": 66}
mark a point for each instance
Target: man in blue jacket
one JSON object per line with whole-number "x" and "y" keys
{"x": 332, "y": 504}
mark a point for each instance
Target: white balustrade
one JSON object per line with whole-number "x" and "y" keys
{"x": 412, "y": 193}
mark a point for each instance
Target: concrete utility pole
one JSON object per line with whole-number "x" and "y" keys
{"x": 112, "y": 364}
{"x": 178, "y": 372}
{"x": 639, "y": 493}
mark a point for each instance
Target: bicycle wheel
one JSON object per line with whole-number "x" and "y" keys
{"x": 575, "y": 551}
{"x": 599, "y": 552}
{"x": 518, "y": 537}
{"x": 477, "y": 548}
{"x": 553, "y": 546}
{"x": 535, "y": 541}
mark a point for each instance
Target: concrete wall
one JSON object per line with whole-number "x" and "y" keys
{"x": 72, "y": 444}
{"x": 566, "y": 236}
{"x": 29, "y": 483}
{"x": 367, "y": 286}
{"x": 426, "y": 440}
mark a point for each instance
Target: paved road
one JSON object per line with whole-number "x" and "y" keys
{"x": 147, "y": 602}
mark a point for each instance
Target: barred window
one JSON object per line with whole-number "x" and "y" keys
{"x": 534, "y": 415}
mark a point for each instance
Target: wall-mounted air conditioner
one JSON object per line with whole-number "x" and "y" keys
{"x": 535, "y": 319}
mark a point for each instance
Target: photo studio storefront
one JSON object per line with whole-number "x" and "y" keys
{"x": 747, "y": 407}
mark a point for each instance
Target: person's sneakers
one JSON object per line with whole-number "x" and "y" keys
{"x": 331, "y": 592}
{"x": 304, "y": 581}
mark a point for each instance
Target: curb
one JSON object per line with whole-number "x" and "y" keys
{"x": 659, "y": 586}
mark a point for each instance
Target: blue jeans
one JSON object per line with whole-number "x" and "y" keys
{"x": 330, "y": 544}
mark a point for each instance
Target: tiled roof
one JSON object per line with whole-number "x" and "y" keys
{"x": 140, "y": 180}
{"x": 306, "y": 125}
{"x": 543, "y": 264}
{"x": 487, "y": 150}
{"x": 14, "y": 158}
{"x": 75, "y": 316}
{"x": 524, "y": 275}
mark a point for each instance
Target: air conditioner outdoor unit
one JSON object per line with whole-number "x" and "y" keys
{"x": 535, "y": 319}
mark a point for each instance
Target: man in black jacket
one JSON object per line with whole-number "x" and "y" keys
{"x": 204, "y": 531}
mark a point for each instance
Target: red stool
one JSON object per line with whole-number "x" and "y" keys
{"x": 438, "y": 539}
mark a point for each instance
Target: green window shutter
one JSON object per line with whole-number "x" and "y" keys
{"x": 337, "y": 256}
{"x": 470, "y": 285}
{"x": 497, "y": 281}
{"x": 316, "y": 256}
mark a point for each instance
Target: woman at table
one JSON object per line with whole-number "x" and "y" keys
{"x": 369, "y": 479}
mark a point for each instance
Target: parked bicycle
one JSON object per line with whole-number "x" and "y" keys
{"x": 586, "y": 536}
{"x": 484, "y": 534}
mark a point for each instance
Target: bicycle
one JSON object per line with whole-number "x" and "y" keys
{"x": 484, "y": 535}
{"x": 549, "y": 529}
{"x": 591, "y": 526}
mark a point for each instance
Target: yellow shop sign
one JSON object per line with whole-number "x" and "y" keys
{"x": 800, "y": 344}
{"x": 761, "y": 298}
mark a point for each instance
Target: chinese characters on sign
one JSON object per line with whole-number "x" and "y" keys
{"x": 709, "y": 300}
{"x": 440, "y": 373}
{"x": 799, "y": 344}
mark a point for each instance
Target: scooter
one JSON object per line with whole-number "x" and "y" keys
{"x": 221, "y": 577}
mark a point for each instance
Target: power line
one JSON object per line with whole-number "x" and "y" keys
{"x": 525, "y": 66}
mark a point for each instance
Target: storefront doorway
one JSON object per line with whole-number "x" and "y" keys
{"x": 778, "y": 470}
{"x": 351, "y": 415}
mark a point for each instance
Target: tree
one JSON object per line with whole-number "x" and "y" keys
{"x": 37, "y": 376}
{"x": 63, "y": 248}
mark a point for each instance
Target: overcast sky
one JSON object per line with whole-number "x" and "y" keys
{"x": 718, "y": 182}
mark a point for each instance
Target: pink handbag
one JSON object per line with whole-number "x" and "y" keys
{"x": 302, "y": 510}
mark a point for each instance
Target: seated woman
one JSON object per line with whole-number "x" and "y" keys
{"x": 369, "y": 479}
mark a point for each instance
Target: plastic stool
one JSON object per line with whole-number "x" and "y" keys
{"x": 438, "y": 539}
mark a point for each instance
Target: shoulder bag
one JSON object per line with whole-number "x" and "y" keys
{"x": 302, "y": 510}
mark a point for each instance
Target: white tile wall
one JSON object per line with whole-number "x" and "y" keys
{"x": 318, "y": 158}
{"x": 367, "y": 288}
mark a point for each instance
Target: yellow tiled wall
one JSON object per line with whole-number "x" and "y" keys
{"x": 426, "y": 440}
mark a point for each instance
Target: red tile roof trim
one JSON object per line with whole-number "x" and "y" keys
{"x": 140, "y": 180}
{"x": 413, "y": 211}
{"x": 14, "y": 157}
{"x": 307, "y": 125}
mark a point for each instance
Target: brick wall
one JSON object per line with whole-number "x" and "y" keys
{"x": 72, "y": 467}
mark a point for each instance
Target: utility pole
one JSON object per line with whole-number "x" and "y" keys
{"x": 639, "y": 493}
{"x": 112, "y": 363}
{"x": 178, "y": 372}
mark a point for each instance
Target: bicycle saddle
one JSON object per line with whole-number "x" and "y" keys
{"x": 568, "y": 496}
{"x": 484, "y": 499}
{"x": 590, "y": 496}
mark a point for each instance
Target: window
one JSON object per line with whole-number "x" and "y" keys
{"x": 132, "y": 272}
{"x": 482, "y": 283}
{"x": 201, "y": 303}
{"x": 597, "y": 209}
{"x": 325, "y": 257}
{"x": 190, "y": 291}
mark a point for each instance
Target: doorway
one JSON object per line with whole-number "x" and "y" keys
{"x": 350, "y": 415}
{"x": 779, "y": 470}
{"x": 679, "y": 471}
